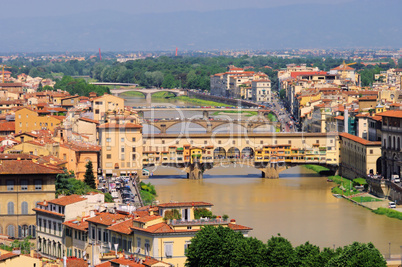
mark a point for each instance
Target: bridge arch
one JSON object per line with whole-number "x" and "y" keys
{"x": 150, "y": 129}
{"x": 219, "y": 153}
{"x": 227, "y": 127}
{"x": 187, "y": 126}
{"x": 233, "y": 153}
{"x": 247, "y": 153}
{"x": 169, "y": 91}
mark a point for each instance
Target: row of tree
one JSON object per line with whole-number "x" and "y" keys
{"x": 221, "y": 246}
{"x": 179, "y": 72}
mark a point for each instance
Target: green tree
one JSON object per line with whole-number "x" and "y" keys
{"x": 282, "y": 94}
{"x": 89, "y": 177}
{"x": 214, "y": 246}
{"x": 358, "y": 255}
{"x": 62, "y": 184}
{"x": 307, "y": 255}
{"x": 280, "y": 252}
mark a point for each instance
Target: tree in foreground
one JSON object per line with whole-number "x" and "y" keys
{"x": 89, "y": 177}
{"x": 221, "y": 246}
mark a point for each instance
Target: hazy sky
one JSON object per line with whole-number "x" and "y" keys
{"x": 44, "y": 8}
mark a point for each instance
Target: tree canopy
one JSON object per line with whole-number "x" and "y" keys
{"x": 221, "y": 246}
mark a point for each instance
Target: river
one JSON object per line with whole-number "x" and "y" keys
{"x": 299, "y": 205}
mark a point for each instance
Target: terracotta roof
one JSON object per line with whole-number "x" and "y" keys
{"x": 88, "y": 120}
{"x": 342, "y": 67}
{"x": 78, "y": 225}
{"x": 7, "y": 126}
{"x": 391, "y": 113}
{"x": 369, "y": 98}
{"x": 376, "y": 118}
{"x": 122, "y": 227}
{"x": 8, "y": 256}
{"x": 156, "y": 228}
{"x": 294, "y": 74}
{"x": 4, "y": 156}
{"x": 26, "y": 167}
{"x": 184, "y": 204}
{"x": 81, "y": 146}
{"x": 66, "y": 200}
{"x": 360, "y": 140}
{"x": 126, "y": 125}
{"x": 146, "y": 218}
{"x": 48, "y": 212}
{"x": 238, "y": 227}
{"x": 106, "y": 218}
{"x": 339, "y": 118}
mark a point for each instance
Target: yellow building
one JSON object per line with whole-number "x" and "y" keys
{"x": 10, "y": 259}
{"x": 24, "y": 183}
{"x": 122, "y": 147}
{"x": 106, "y": 103}
{"x": 163, "y": 232}
{"x": 27, "y": 120}
{"x": 77, "y": 155}
{"x": 359, "y": 157}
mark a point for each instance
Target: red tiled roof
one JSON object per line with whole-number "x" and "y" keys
{"x": 26, "y": 167}
{"x": 391, "y": 113}
{"x": 342, "y": 67}
{"x": 369, "y": 98}
{"x": 7, "y": 256}
{"x": 184, "y": 204}
{"x": 7, "y": 127}
{"x": 78, "y": 225}
{"x": 122, "y": 227}
{"x": 360, "y": 140}
{"x": 376, "y": 118}
{"x": 89, "y": 120}
{"x": 106, "y": 218}
{"x": 81, "y": 146}
{"x": 339, "y": 118}
{"x": 156, "y": 228}
{"x": 66, "y": 200}
{"x": 294, "y": 74}
{"x": 48, "y": 212}
{"x": 147, "y": 218}
{"x": 238, "y": 227}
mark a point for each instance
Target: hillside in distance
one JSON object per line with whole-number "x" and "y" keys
{"x": 356, "y": 24}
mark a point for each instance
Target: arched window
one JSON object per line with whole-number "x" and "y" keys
{"x": 11, "y": 231}
{"x": 10, "y": 208}
{"x": 24, "y": 208}
{"x": 393, "y": 144}
{"x": 23, "y": 231}
{"x": 389, "y": 142}
{"x": 32, "y": 231}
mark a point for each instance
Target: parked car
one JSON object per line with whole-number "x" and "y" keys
{"x": 392, "y": 205}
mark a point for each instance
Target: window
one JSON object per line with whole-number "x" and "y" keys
{"x": 11, "y": 231}
{"x": 133, "y": 139}
{"x": 10, "y": 208}
{"x": 24, "y": 207}
{"x": 38, "y": 184}
{"x": 133, "y": 149}
{"x": 59, "y": 226}
{"x": 289, "y": 142}
{"x": 168, "y": 249}
{"x": 371, "y": 151}
{"x": 122, "y": 157}
{"x": 147, "y": 247}
{"x": 24, "y": 185}
{"x": 122, "y": 139}
{"x": 105, "y": 236}
{"x": 54, "y": 228}
{"x": 108, "y": 148}
{"x": 108, "y": 139}
{"x": 122, "y": 149}
{"x": 99, "y": 235}
{"x": 133, "y": 157}
{"x": 93, "y": 233}
{"x": 138, "y": 242}
{"x": 163, "y": 142}
{"x": 10, "y": 185}
{"x": 186, "y": 246}
{"x": 75, "y": 234}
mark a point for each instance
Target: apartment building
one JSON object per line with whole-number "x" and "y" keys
{"x": 51, "y": 216}
{"x": 27, "y": 120}
{"x": 106, "y": 103}
{"x": 24, "y": 183}
{"x": 359, "y": 157}
{"x": 261, "y": 90}
{"x": 391, "y": 142}
{"x": 162, "y": 232}
{"x": 121, "y": 142}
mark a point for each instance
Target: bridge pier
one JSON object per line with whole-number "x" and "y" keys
{"x": 148, "y": 97}
{"x": 205, "y": 114}
{"x": 195, "y": 172}
{"x": 270, "y": 173}
{"x": 163, "y": 128}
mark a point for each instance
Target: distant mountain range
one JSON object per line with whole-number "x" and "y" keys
{"x": 362, "y": 23}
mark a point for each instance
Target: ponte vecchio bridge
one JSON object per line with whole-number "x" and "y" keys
{"x": 269, "y": 152}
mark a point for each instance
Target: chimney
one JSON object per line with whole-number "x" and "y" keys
{"x": 233, "y": 221}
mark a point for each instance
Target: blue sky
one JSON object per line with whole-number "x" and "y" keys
{"x": 45, "y": 8}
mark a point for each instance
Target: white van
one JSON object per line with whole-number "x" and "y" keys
{"x": 392, "y": 205}
{"x": 395, "y": 178}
